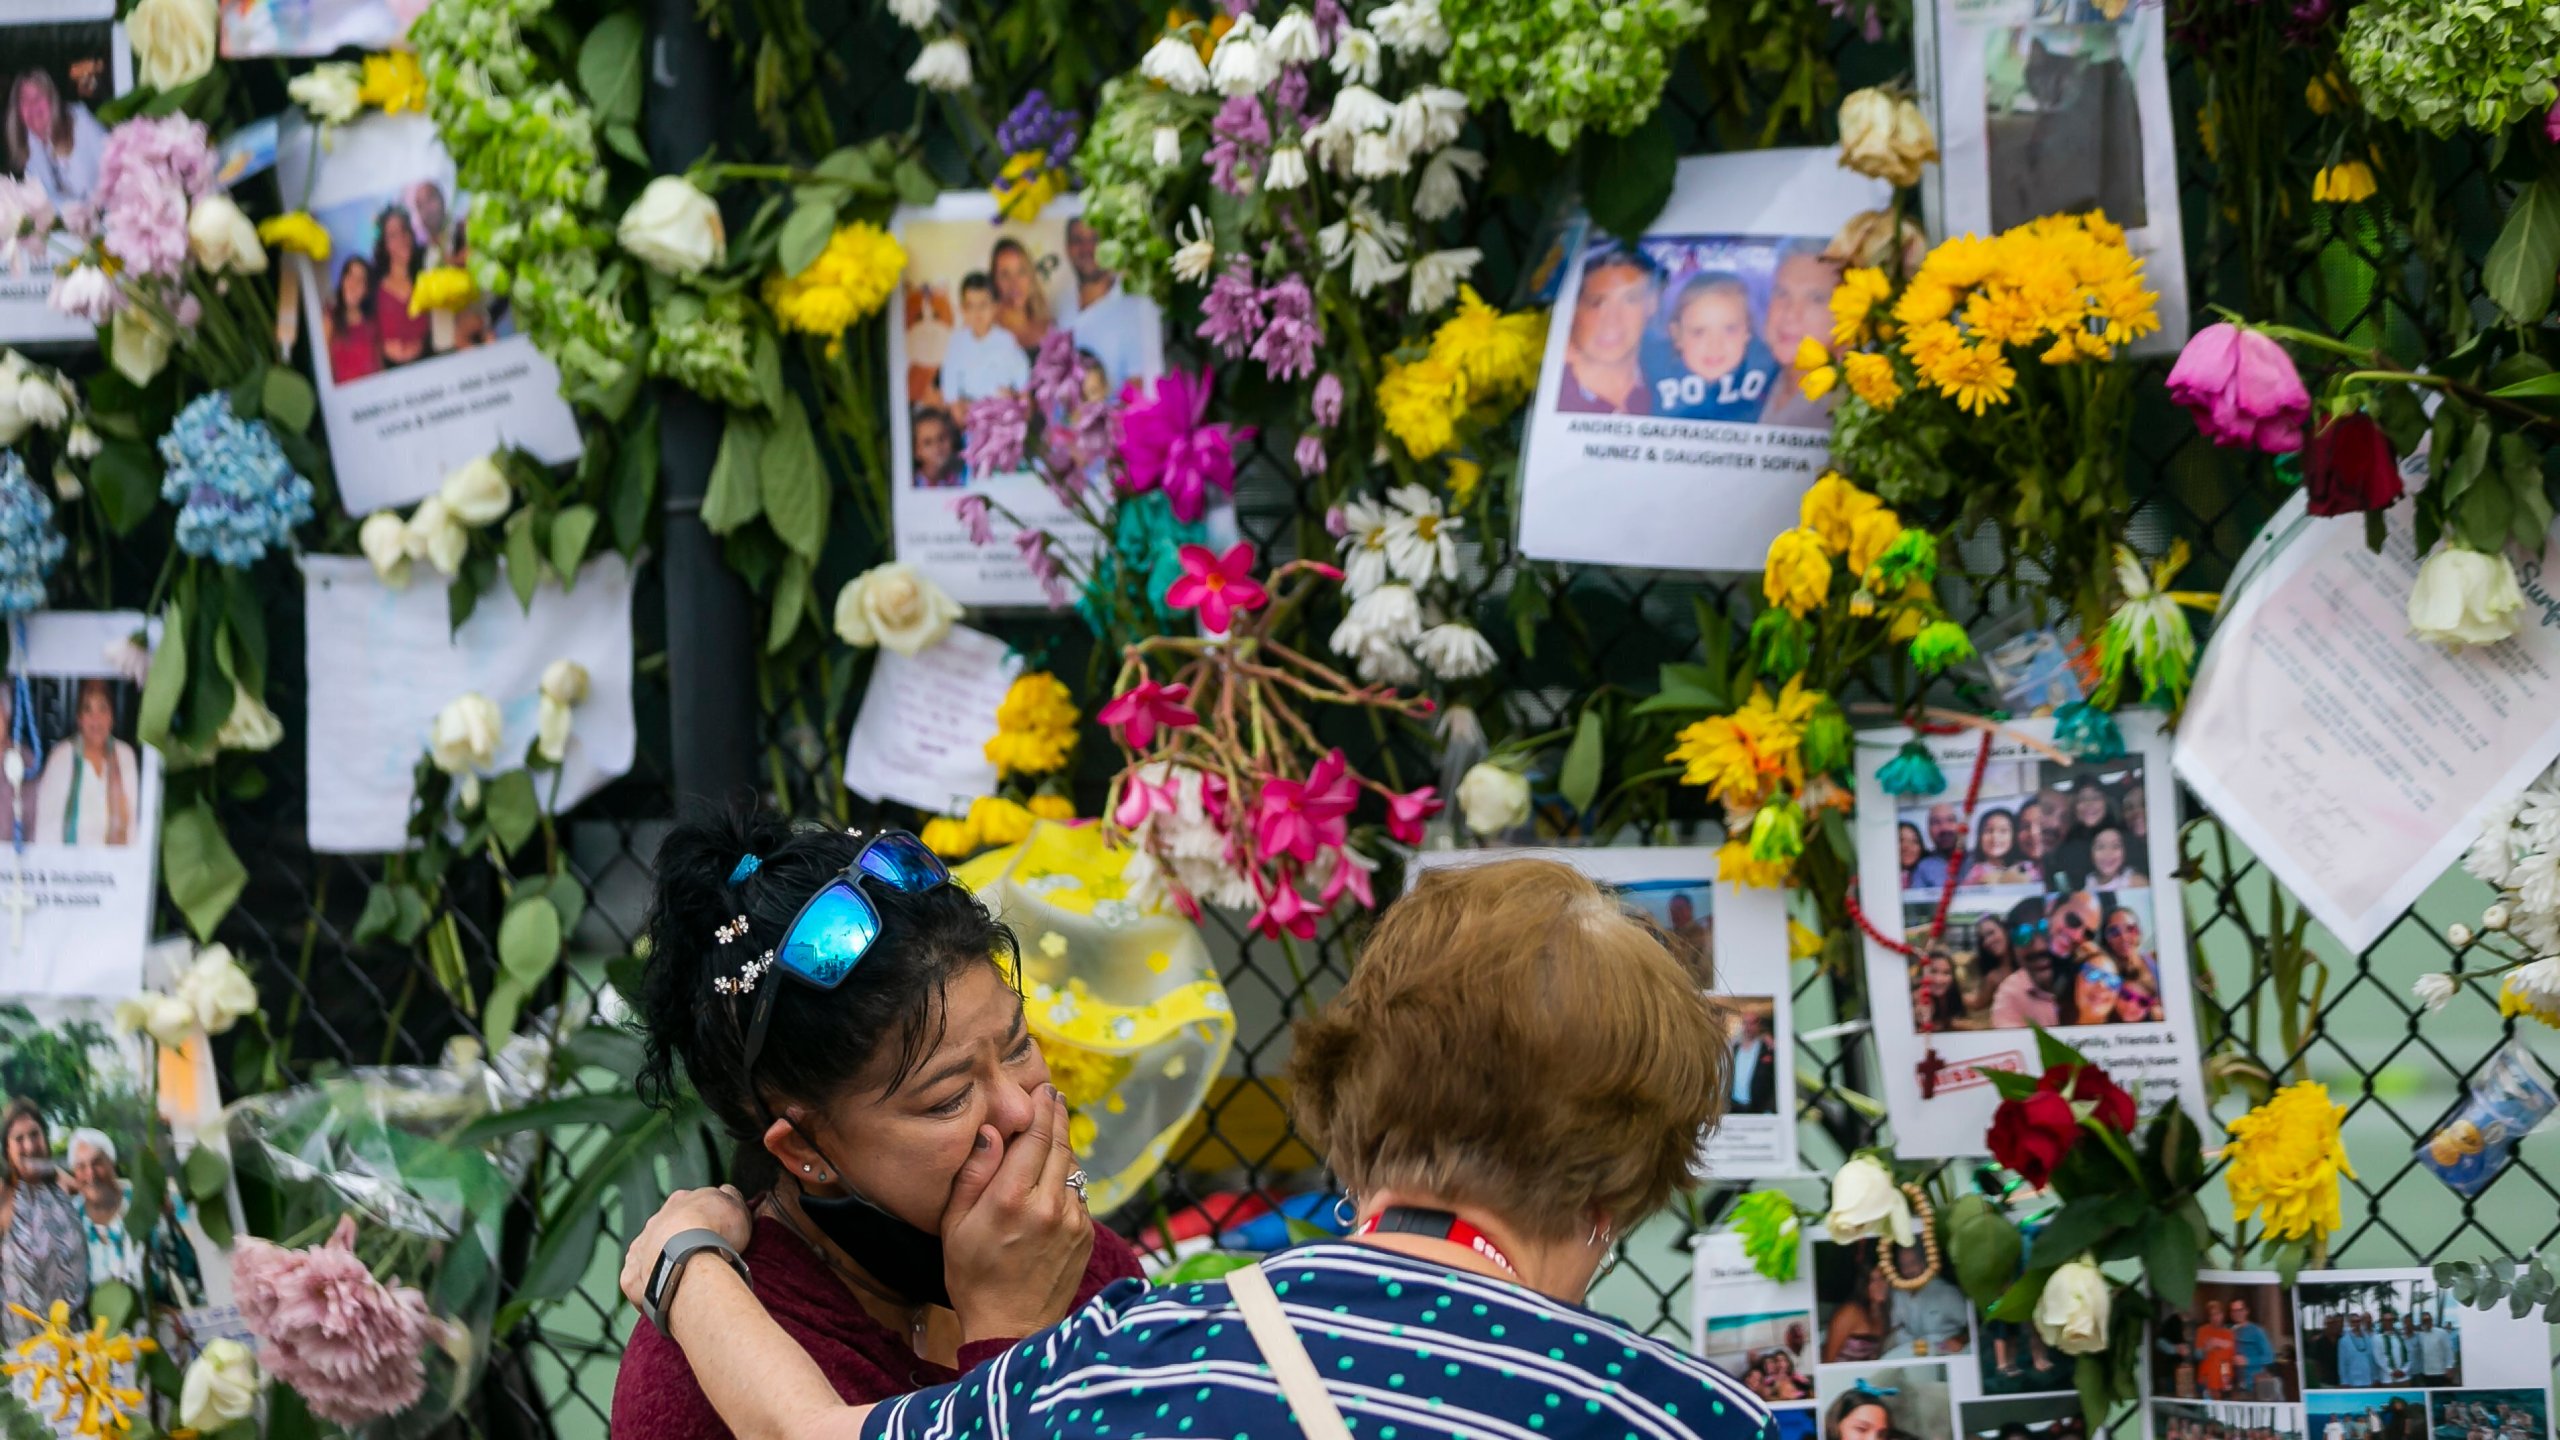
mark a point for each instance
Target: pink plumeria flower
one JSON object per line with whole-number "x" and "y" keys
{"x": 1217, "y": 585}
{"x": 1141, "y": 800}
{"x": 1138, "y": 711}
{"x": 1300, "y": 818}
{"x": 1405, "y": 813}
{"x": 1350, "y": 876}
{"x": 1287, "y": 910}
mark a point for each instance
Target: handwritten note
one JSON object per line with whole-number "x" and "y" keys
{"x": 2352, "y": 757}
{"x": 920, "y": 738}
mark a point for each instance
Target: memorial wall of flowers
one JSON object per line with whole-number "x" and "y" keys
{"x": 1273, "y": 614}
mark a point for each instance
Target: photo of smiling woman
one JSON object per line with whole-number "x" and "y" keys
{"x": 1892, "y": 1402}
{"x": 91, "y": 791}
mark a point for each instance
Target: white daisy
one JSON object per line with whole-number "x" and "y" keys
{"x": 2434, "y": 989}
{"x": 1373, "y": 243}
{"x": 2536, "y": 881}
{"x": 1363, "y": 546}
{"x": 1421, "y": 540}
{"x": 2539, "y": 981}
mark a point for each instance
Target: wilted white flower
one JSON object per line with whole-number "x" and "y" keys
{"x": 2434, "y": 989}
{"x": 1377, "y": 156}
{"x": 1391, "y": 613}
{"x": 83, "y": 443}
{"x": 1363, "y": 546}
{"x": 1355, "y": 56}
{"x": 1384, "y": 662}
{"x": 216, "y": 990}
{"x": 478, "y": 493}
{"x": 1173, "y": 63}
{"x": 1295, "y": 40}
{"x": 1455, "y": 650}
{"x": 1865, "y": 1201}
{"x": 564, "y": 688}
{"x": 1168, "y": 148}
{"x": 1436, "y": 277}
{"x": 1240, "y": 65}
{"x": 1421, "y": 540}
{"x": 1493, "y": 799}
{"x": 433, "y": 535}
{"x": 1197, "y": 251}
{"x": 1411, "y": 27}
{"x": 333, "y": 91}
{"x": 1430, "y": 116}
{"x": 41, "y": 402}
{"x": 1442, "y": 192}
{"x": 222, "y": 239}
{"x": 943, "y": 65}
{"x": 164, "y": 1018}
{"x": 384, "y": 538}
{"x": 464, "y": 740}
{"x": 1287, "y": 170}
{"x": 1357, "y": 111}
{"x": 1373, "y": 243}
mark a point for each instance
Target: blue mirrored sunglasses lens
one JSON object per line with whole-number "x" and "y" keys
{"x": 831, "y": 936}
{"x": 902, "y": 863}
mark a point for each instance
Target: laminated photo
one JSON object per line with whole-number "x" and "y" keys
{"x": 81, "y": 797}
{"x": 1885, "y": 1402}
{"x": 1669, "y": 430}
{"x": 63, "y": 60}
{"x": 1758, "y": 1330}
{"x": 2224, "y": 1420}
{"x": 979, "y": 296}
{"x": 2056, "y": 107}
{"x": 2034, "y": 907}
{"x": 406, "y": 397}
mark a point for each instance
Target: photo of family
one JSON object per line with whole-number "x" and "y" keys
{"x": 59, "y": 74}
{"x": 1698, "y": 327}
{"x": 1874, "y": 1305}
{"x": 2212, "y": 1420}
{"x": 1767, "y": 1353}
{"x": 2047, "y": 1417}
{"x": 978, "y": 301}
{"x": 2490, "y": 1414}
{"x": 2062, "y": 123}
{"x": 2365, "y": 1334}
{"x": 2368, "y": 1415}
{"x": 379, "y": 244}
{"x": 1892, "y": 1402}
{"x": 2235, "y": 1343}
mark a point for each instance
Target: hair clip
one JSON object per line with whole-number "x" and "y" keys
{"x": 732, "y": 932}
{"x": 747, "y": 865}
{"x": 745, "y": 980}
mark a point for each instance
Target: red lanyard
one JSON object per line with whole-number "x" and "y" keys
{"x": 1438, "y": 1225}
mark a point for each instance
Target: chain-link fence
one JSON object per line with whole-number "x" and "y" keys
{"x": 829, "y": 71}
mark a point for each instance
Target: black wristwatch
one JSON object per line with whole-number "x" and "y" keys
{"x": 661, "y": 1290}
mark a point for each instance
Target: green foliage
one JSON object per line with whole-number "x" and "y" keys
{"x": 2525, "y": 1286}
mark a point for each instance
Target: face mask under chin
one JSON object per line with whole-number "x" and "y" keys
{"x": 899, "y": 1257}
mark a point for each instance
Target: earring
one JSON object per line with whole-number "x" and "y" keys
{"x": 1601, "y": 1234}
{"x": 1345, "y": 1212}
{"x": 804, "y": 1169}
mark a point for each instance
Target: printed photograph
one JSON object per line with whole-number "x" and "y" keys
{"x": 379, "y": 244}
{"x": 1686, "y": 912}
{"x": 2061, "y": 122}
{"x": 1879, "y": 1301}
{"x": 2016, "y": 1361}
{"x": 84, "y": 772}
{"x": 1751, "y": 1023}
{"x": 2367, "y": 1415}
{"x": 1698, "y": 327}
{"x": 977, "y": 302}
{"x": 1888, "y": 1402}
{"x": 2490, "y": 1414}
{"x": 2216, "y": 1420}
{"x": 2363, "y": 1334}
{"x": 313, "y": 27}
{"x": 2046, "y": 1417}
{"x": 2235, "y": 1343}
{"x": 59, "y": 74}
{"x": 1770, "y": 1354}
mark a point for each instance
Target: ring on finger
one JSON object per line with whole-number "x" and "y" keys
{"x": 1077, "y": 1180}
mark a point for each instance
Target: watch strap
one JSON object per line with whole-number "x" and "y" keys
{"x": 670, "y": 1268}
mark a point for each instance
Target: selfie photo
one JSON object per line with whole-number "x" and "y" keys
{"x": 1698, "y": 327}
{"x": 1771, "y": 1354}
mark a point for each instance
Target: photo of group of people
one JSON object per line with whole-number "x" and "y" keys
{"x": 979, "y": 300}
{"x": 1768, "y": 1353}
{"x": 2235, "y": 1343}
{"x": 2051, "y": 921}
{"x": 1698, "y": 327}
{"x": 2491, "y": 1415}
{"x": 380, "y": 244}
{"x": 2378, "y": 1333}
{"x": 2391, "y": 1415}
{"x": 1879, "y": 1301}
{"x": 2216, "y": 1420}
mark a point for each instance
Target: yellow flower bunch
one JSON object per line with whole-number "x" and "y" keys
{"x": 849, "y": 281}
{"x": 1420, "y": 401}
{"x": 1479, "y": 358}
{"x": 297, "y": 232}
{"x": 1035, "y": 726}
{"x": 2344, "y": 183}
{"x": 393, "y": 82}
{"x": 2285, "y": 1158}
{"x": 1742, "y": 758}
{"x": 444, "y": 287}
{"x": 79, "y": 1366}
{"x": 1735, "y": 865}
{"x": 1464, "y": 476}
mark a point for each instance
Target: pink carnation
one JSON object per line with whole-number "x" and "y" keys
{"x": 352, "y": 1347}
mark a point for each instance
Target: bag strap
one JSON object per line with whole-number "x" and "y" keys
{"x": 1318, "y": 1417}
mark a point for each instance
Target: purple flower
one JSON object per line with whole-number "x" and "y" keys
{"x": 1037, "y": 125}
{"x": 1057, "y": 373}
{"x": 1081, "y": 439}
{"x": 1243, "y": 141}
{"x": 2551, "y": 124}
{"x": 1033, "y": 546}
{"x": 1328, "y": 400}
{"x": 1290, "y": 95}
{"x": 1310, "y": 457}
{"x": 998, "y": 425}
{"x": 1329, "y": 18}
{"x": 1287, "y": 345}
{"x": 1166, "y": 441}
{"x": 972, "y": 510}
{"x": 1231, "y": 313}
{"x": 149, "y": 172}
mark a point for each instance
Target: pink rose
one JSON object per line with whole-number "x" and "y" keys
{"x": 2242, "y": 388}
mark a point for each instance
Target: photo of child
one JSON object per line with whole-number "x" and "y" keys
{"x": 1697, "y": 327}
{"x": 1890, "y": 1402}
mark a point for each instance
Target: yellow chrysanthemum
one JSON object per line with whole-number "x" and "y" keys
{"x": 2284, "y": 1161}
{"x": 1740, "y": 758}
{"x": 1797, "y": 575}
{"x": 1871, "y": 378}
{"x": 1464, "y": 476}
{"x": 1832, "y": 509}
{"x": 297, "y": 232}
{"x": 1868, "y": 538}
{"x": 1051, "y": 807}
{"x": 1857, "y": 296}
{"x": 2344, "y": 183}
{"x": 1735, "y": 865}
{"x": 999, "y": 821}
{"x": 1035, "y": 726}
{"x": 848, "y": 282}
{"x": 1082, "y": 1076}
{"x": 444, "y": 287}
{"x": 1420, "y": 401}
{"x": 950, "y": 838}
{"x": 1497, "y": 353}
{"x": 1976, "y": 377}
{"x": 79, "y": 1366}
{"x": 393, "y": 83}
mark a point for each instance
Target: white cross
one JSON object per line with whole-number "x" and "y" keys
{"x": 17, "y": 902}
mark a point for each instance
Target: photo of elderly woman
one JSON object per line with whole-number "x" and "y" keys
{"x": 58, "y": 74}
{"x": 90, "y": 792}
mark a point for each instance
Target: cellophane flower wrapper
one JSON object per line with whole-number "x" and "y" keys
{"x": 392, "y": 1148}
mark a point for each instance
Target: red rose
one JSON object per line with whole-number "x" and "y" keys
{"x": 2112, "y": 1107}
{"x": 2032, "y": 1135}
{"x": 2349, "y": 468}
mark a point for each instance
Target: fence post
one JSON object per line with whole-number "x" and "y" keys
{"x": 711, "y": 639}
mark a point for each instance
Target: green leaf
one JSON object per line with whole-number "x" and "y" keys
{"x": 609, "y": 66}
{"x": 570, "y": 899}
{"x": 506, "y": 1003}
{"x": 571, "y": 531}
{"x": 1684, "y": 688}
{"x": 767, "y": 369}
{"x": 2052, "y": 1052}
{"x": 380, "y": 909}
{"x": 205, "y": 1175}
{"x": 1528, "y": 608}
{"x": 1580, "y": 780}
{"x": 125, "y": 477}
{"x": 529, "y": 940}
{"x": 2081, "y": 1224}
{"x": 2010, "y": 1084}
{"x": 524, "y": 559}
{"x": 916, "y": 185}
{"x": 795, "y": 482}
{"x": 2019, "y": 1300}
{"x": 166, "y": 681}
{"x": 612, "y": 1110}
{"x": 804, "y": 237}
{"x": 626, "y": 142}
{"x": 852, "y": 165}
{"x": 2539, "y": 387}
{"x": 736, "y": 493}
{"x": 1626, "y": 179}
{"x": 2097, "y": 1392}
{"x": 414, "y": 914}
{"x": 790, "y": 604}
{"x": 2522, "y": 264}
{"x": 635, "y": 482}
{"x": 2170, "y": 1256}
{"x": 508, "y": 802}
{"x": 114, "y": 1302}
{"x": 605, "y": 1047}
{"x": 1985, "y": 1247}
{"x": 204, "y": 876}
{"x": 561, "y": 1259}
{"x": 289, "y": 400}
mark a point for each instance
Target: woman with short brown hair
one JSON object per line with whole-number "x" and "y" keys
{"x": 1518, "y": 1070}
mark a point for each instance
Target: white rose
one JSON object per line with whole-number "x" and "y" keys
{"x": 173, "y": 41}
{"x": 433, "y": 535}
{"x": 1864, "y": 1199}
{"x": 674, "y": 228}
{"x": 164, "y": 1018}
{"x": 40, "y": 400}
{"x": 222, "y": 239}
{"x": 2072, "y": 1313}
{"x": 896, "y": 606}
{"x": 565, "y": 681}
{"x": 1494, "y": 799}
{"x": 137, "y": 346}
{"x": 1886, "y": 136}
{"x": 477, "y": 494}
{"x": 384, "y": 538}
{"x": 465, "y": 737}
{"x": 250, "y": 727}
{"x": 943, "y": 65}
{"x": 221, "y": 1387}
{"x": 332, "y": 92}
{"x": 217, "y": 990}
{"x": 2463, "y": 597}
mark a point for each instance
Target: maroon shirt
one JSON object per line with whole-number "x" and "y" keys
{"x": 655, "y": 1396}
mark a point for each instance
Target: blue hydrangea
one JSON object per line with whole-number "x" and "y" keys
{"x": 237, "y": 496}
{"x": 29, "y": 545}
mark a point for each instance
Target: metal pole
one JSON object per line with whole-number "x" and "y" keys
{"x": 711, "y": 640}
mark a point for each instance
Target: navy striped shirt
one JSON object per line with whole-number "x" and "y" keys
{"x": 1409, "y": 1350}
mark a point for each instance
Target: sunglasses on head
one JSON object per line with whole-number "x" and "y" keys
{"x": 833, "y": 932}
